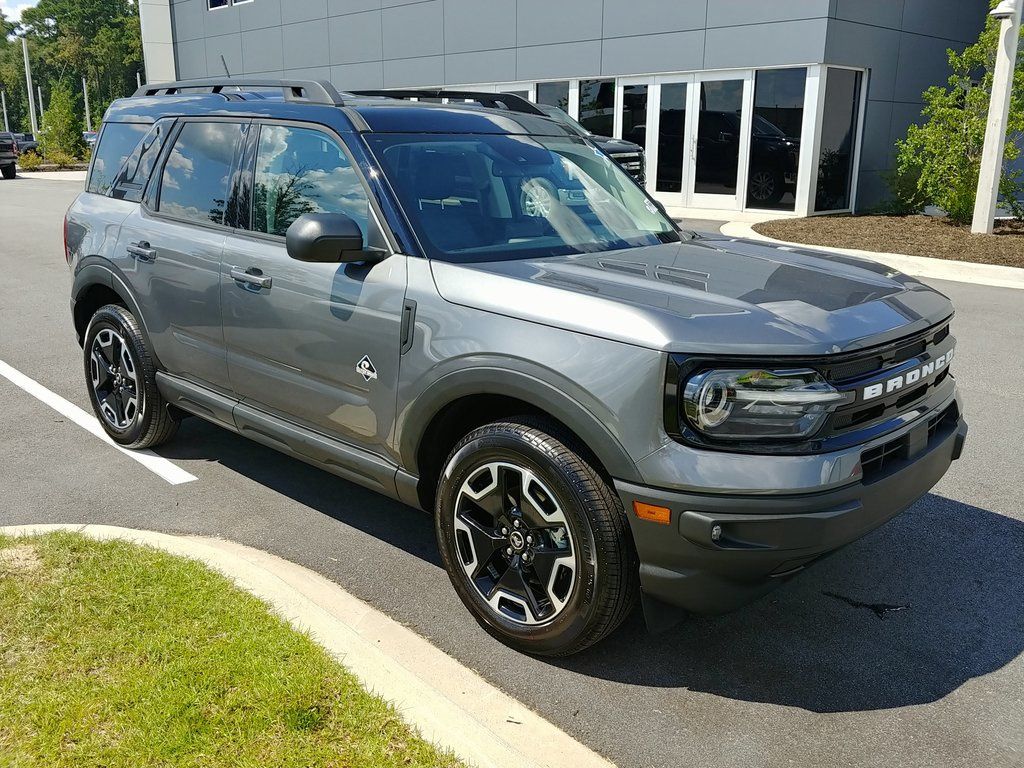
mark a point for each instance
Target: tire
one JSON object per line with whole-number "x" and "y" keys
{"x": 767, "y": 187}
{"x": 580, "y": 573}
{"x": 10, "y": 171}
{"x": 122, "y": 381}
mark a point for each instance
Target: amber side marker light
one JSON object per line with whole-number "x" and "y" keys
{"x": 650, "y": 512}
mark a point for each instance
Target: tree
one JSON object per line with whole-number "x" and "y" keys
{"x": 62, "y": 130}
{"x": 938, "y": 163}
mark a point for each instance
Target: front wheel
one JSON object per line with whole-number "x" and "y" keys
{"x": 534, "y": 540}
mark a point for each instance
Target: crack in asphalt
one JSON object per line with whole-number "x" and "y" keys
{"x": 881, "y": 610}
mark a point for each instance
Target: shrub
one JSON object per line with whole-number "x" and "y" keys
{"x": 62, "y": 130}
{"x": 939, "y": 162}
{"x": 29, "y": 161}
{"x": 60, "y": 158}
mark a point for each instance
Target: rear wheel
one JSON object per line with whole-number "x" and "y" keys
{"x": 121, "y": 377}
{"x": 9, "y": 171}
{"x": 534, "y": 540}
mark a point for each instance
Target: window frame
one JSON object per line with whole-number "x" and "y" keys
{"x": 151, "y": 199}
{"x": 247, "y": 179}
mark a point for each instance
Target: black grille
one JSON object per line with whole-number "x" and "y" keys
{"x": 889, "y": 455}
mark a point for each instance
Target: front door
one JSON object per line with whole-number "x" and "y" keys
{"x": 317, "y": 344}
{"x": 718, "y": 123}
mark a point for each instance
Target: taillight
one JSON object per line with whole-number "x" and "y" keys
{"x": 67, "y": 248}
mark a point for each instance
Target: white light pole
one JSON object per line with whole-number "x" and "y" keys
{"x": 88, "y": 116}
{"x": 998, "y": 116}
{"x": 28, "y": 87}
{"x": 3, "y": 98}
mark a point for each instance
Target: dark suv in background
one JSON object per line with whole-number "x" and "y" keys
{"x": 8, "y": 155}
{"x": 474, "y": 310}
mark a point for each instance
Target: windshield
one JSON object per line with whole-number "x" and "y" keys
{"x": 763, "y": 128}
{"x": 496, "y": 197}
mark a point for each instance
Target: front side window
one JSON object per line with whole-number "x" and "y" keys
{"x": 116, "y": 142}
{"x": 197, "y": 175}
{"x": 497, "y": 197}
{"x": 299, "y": 171}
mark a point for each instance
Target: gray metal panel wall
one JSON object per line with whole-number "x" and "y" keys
{"x": 375, "y": 43}
{"x": 904, "y": 44}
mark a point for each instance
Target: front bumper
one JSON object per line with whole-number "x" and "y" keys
{"x": 764, "y": 539}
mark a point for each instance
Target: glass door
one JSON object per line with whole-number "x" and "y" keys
{"x": 666, "y": 141}
{"x": 719, "y": 122}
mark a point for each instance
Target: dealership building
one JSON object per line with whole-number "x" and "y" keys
{"x": 744, "y": 107}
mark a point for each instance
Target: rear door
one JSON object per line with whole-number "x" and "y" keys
{"x": 317, "y": 344}
{"x": 173, "y": 243}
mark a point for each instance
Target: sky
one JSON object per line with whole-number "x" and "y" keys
{"x": 12, "y": 8}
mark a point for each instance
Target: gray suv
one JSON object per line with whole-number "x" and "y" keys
{"x": 477, "y": 312}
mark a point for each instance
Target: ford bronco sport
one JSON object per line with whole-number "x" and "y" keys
{"x": 596, "y": 405}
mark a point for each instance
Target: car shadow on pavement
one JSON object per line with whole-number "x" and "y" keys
{"x": 408, "y": 529}
{"x": 904, "y": 616}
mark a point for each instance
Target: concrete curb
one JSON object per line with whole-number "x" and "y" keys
{"x": 450, "y": 704}
{"x": 917, "y": 266}
{"x": 53, "y": 175}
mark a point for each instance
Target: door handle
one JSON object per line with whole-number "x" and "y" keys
{"x": 142, "y": 252}
{"x": 250, "y": 277}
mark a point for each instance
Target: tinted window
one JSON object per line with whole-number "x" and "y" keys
{"x": 554, "y": 94}
{"x": 131, "y": 181}
{"x": 298, "y": 171}
{"x": 670, "y": 137}
{"x": 634, "y": 114}
{"x": 838, "y": 140}
{"x": 197, "y": 173}
{"x": 597, "y": 106}
{"x": 775, "y": 148}
{"x": 117, "y": 141}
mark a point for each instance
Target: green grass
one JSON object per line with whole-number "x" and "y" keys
{"x": 117, "y": 655}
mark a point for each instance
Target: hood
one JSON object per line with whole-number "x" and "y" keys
{"x": 707, "y": 295}
{"x": 616, "y": 146}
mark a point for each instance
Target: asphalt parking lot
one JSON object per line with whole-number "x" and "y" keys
{"x": 904, "y": 649}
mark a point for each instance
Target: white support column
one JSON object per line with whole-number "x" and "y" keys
{"x": 998, "y": 117}
{"x": 157, "y": 41}
{"x": 810, "y": 140}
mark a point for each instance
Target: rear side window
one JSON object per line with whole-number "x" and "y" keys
{"x": 131, "y": 181}
{"x": 116, "y": 142}
{"x": 197, "y": 175}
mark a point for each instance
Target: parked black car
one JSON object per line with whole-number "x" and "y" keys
{"x": 27, "y": 142}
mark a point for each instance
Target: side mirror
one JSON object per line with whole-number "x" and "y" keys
{"x": 326, "y": 237}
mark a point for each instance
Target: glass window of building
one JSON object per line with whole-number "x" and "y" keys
{"x": 634, "y": 114}
{"x": 671, "y": 136}
{"x": 775, "y": 143}
{"x": 838, "y": 140}
{"x": 214, "y": 4}
{"x": 597, "y": 106}
{"x": 718, "y": 137}
{"x": 554, "y": 94}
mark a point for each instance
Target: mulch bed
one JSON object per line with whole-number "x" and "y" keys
{"x": 911, "y": 235}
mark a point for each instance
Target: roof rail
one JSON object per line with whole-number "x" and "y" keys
{"x": 506, "y": 101}
{"x": 307, "y": 91}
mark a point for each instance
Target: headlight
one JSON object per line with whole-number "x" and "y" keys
{"x": 752, "y": 404}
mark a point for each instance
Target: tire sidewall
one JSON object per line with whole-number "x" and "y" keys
{"x": 122, "y": 323}
{"x": 576, "y": 616}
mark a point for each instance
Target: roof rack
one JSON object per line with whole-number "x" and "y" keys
{"x": 506, "y": 101}
{"x": 307, "y": 91}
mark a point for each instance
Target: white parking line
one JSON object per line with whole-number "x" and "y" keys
{"x": 158, "y": 465}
